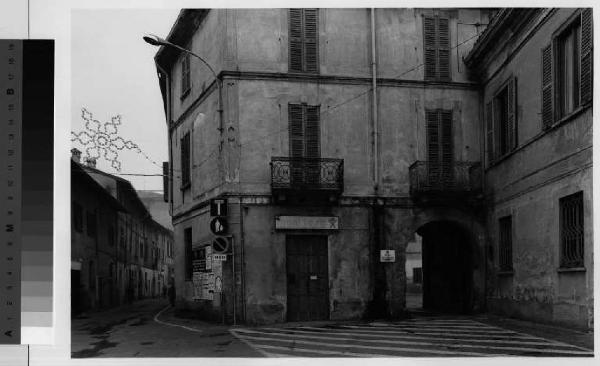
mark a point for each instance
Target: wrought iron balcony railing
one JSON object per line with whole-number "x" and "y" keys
{"x": 458, "y": 178}
{"x": 321, "y": 174}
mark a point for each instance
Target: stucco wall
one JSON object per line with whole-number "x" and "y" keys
{"x": 528, "y": 184}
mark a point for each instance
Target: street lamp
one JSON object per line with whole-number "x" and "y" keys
{"x": 155, "y": 40}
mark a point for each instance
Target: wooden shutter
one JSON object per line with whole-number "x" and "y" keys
{"x": 443, "y": 37}
{"x": 489, "y": 111}
{"x": 547, "y": 87}
{"x": 586, "y": 56}
{"x": 295, "y": 39}
{"x": 445, "y": 118}
{"x": 311, "y": 37}
{"x": 296, "y": 122}
{"x": 312, "y": 132}
{"x": 511, "y": 118}
{"x": 185, "y": 160}
{"x": 430, "y": 48}
{"x": 433, "y": 147}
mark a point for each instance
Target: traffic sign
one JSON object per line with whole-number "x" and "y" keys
{"x": 220, "y": 245}
{"x": 218, "y": 207}
{"x": 218, "y": 225}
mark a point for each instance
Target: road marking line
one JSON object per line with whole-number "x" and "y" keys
{"x": 428, "y": 332}
{"x": 393, "y": 349}
{"x": 248, "y": 343}
{"x": 412, "y": 325}
{"x": 558, "y": 343}
{"x": 322, "y": 352}
{"x": 427, "y": 344}
{"x": 172, "y": 324}
{"x": 546, "y": 343}
{"x": 450, "y": 329}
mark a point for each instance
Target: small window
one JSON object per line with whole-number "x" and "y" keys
{"x": 436, "y": 45}
{"x": 304, "y": 40}
{"x": 91, "y": 224}
{"x": 505, "y": 243}
{"x": 77, "y": 217}
{"x": 185, "y": 76}
{"x": 185, "y": 161}
{"x": 571, "y": 231}
{"x": 187, "y": 238}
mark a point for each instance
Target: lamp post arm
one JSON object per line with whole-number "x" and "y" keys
{"x": 195, "y": 55}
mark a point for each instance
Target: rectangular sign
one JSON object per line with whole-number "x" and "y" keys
{"x": 219, "y": 257}
{"x": 218, "y": 207}
{"x": 307, "y": 223}
{"x": 387, "y": 256}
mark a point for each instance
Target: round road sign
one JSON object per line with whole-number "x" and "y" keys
{"x": 218, "y": 225}
{"x": 220, "y": 245}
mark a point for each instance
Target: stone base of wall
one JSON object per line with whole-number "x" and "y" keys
{"x": 563, "y": 314}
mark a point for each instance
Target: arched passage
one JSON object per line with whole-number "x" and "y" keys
{"x": 447, "y": 256}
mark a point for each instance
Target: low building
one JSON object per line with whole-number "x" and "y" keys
{"x": 120, "y": 253}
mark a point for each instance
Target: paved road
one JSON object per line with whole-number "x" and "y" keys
{"x": 419, "y": 337}
{"x": 149, "y": 329}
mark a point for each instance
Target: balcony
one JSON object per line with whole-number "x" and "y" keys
{"x": 314, "y": 176}
{"x": 438, "y": 182}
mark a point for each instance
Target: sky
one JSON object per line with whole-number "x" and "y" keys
{"x": 113, "y": 73}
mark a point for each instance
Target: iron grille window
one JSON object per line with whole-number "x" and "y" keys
{"x": 436, "y": 42}
{"x": 505, "y": 247}
{"x": 502, "y": 135}
{"x": 77, "y": 217}
{"x": 304, "y": 40}
{"x": 187, "y": 239}
{"x": 571, "y": 231}
{"x": 91, "y": 224}
{"x": 567, "y": 69}
{"x": 185, "y": 161}
{"x": 185, "y": 76}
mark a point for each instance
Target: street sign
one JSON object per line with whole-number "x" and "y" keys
{"x": 220, "y": 245}
{"x": 219, "y": 257}
{"x": 218, "y": 225}
{"x": 218, "y": 207}
{"x": 387, "y": 255}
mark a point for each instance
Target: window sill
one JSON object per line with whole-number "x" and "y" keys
{"x": 185, "y": 186}
{"x": 506, "y": 273}
{"x": 568, "y": 117}
{"x": 571, "y": 269}
{"x": 185, "y": 94}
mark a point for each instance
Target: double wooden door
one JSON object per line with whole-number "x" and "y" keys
{"x": 307, "y": 277}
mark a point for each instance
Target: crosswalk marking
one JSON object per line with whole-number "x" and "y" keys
{"x": 393, "y": 349}
{"x": 416, "y": 343}
{"x": 408, "y": 338}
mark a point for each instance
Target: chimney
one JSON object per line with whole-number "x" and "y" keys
{"x": 76, "y": 155}
{"x": 91, "y": 162}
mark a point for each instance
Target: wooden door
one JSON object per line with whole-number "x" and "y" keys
{"x": 307, "y": 277}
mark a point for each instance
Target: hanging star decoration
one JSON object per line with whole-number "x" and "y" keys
{"x": 103, "y": 140}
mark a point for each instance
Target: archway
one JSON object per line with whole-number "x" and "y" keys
{"x": 447, "y": 256}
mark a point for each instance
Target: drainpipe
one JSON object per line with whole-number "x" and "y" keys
{"x": 374, "y": 104}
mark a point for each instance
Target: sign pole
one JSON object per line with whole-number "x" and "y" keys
{"x": 233, "y": 277}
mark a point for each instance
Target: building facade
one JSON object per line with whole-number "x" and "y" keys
{"x": 119, "y": 252}
{"x": 333, "y": 134}
{"x": 535, "y": 68}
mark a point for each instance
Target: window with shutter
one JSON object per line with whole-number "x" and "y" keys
{"x": 567, "y": 75}
{"x": 436, "y": 45}
{"x": 502, "y": 132}
{"x": 440, "y": 156}
{"x": 305, "y": 144}
{"x": 505, "y": 247}
{"x": 185, "y": 161}
{"x": 185, "y": 76}
{"x": 187, "y": 240}
{"x": 304, "y": 40}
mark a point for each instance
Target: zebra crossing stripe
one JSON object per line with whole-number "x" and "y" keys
{"x": 448, "y": 329}
{"x": 355, "y": 346}
{"x": 522, "y": 342}
{"x": 417, "y": 325}
{"x": 427, "y": 344}
{"x": 417, "y": 332}
{"x": 316, "y": 351}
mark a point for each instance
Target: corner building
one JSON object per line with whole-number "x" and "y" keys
{"x": 333, "y": 134}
